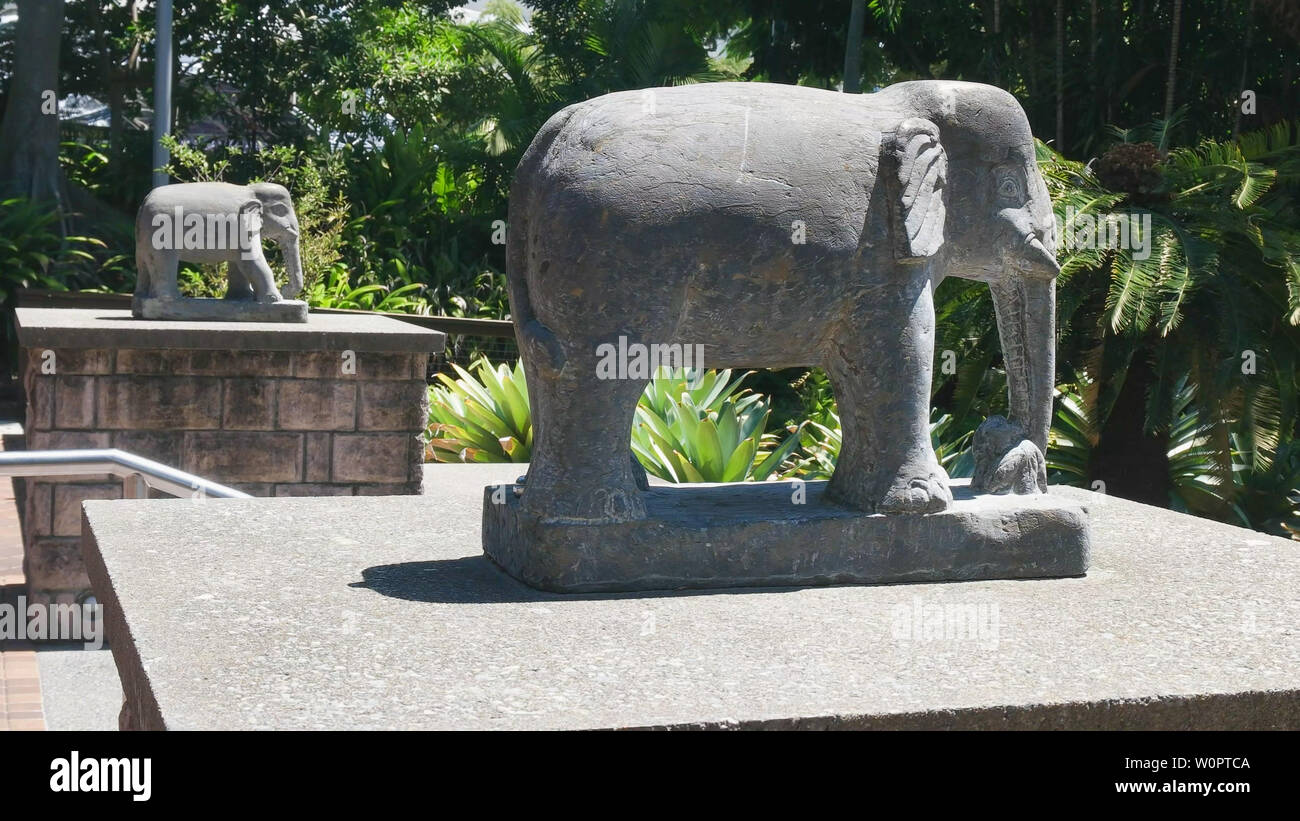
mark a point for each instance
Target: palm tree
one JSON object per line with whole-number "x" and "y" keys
{"x": 1215, "y": 302}
{"x": 527, "y": 88}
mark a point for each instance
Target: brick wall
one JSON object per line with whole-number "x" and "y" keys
{"x": 270, "y": 423}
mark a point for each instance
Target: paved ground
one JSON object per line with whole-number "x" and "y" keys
{"x": 20, "y": 685}
{"x": 53, "y": 686}
{"x": 79, "y": 687}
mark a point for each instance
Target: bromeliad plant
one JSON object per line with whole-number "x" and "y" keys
{"x": 480, "y": 417}
{"x": 699, "y": 426}
{"x": 691, "y": 426}
{"x": 819, "y": 447}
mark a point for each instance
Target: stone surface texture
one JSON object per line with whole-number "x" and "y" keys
{"x": 384, "y": 614}
{"x": 1005, "y": 460}
{"x": 785, "y": 533}
{"x": 332, "y": 407}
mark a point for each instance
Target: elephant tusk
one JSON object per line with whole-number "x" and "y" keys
{"x": 1041, "y": 256}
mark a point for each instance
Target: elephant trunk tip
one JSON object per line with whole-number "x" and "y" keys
{"x": 1041, "y": 260}
{"x": 293, "y": 265}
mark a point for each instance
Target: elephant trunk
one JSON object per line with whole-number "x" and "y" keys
{"x": 1026, "y": 313}
{"x": 293, "y": 265}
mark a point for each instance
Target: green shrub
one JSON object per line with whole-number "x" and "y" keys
{"x": 33, "y": 254}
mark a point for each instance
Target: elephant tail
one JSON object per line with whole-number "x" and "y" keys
{"x": 537, "y": 343}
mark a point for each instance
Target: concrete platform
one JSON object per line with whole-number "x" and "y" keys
{"x": 116, "y": 328}
{"x": 79, "y": 687}
{"x": 737, "y": 535}
{"x": 382, "y": 612}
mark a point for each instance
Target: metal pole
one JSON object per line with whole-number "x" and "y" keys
{"x": 162, "y": 90}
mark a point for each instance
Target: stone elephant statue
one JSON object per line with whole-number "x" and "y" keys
{"x": 775, "y": 226}
{"x": 216, "y": 222}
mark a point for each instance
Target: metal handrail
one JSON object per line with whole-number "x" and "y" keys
{"x": 138, "y": 474}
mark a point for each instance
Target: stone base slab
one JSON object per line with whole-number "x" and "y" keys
{"x": 219, "y": 310}
{"x": 383, "y": 613}
{"x": 755, "y": 535}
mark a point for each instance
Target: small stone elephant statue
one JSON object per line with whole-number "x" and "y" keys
{"x": 217, "y": 222}
{"x": 1006, "y": 461}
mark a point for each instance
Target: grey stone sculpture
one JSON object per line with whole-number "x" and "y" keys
{"x": 1006, "y": 461}
{"x": 217, "y": 222}
{"x": 768, "y": 226}
{"x": 777, "y": 226}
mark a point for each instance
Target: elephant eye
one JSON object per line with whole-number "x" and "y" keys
{"x": 1009, "y": 188}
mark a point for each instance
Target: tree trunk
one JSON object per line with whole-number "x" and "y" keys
{"x": 121, "y": 80}
{"x": 1245, "y": 62}
{"x": 1173, "y": 59}
{"x": 853, "y": 48}
{"x": 1032, "y": 62}
{"x": 1060, "y": 76}
{"x": 29, "y": 133}
{"x": 1132, "y": 463}
{"x": 995, "y": 42}
{"x": 1092, "y": 20}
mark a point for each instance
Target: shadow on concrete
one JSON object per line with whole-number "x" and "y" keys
{"x": 476, "y": 580}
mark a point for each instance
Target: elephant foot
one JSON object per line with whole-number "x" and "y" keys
{"x": 914, "y": 489}
{"x": 920, "y": 490}
{"x": 597, "y": 505}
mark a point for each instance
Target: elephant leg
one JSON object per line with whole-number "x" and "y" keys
{"x": 259, "y": 276}
{"x": 582, "y": 468}
{"x": 144, "y": 272}
{"x": 162, "y": 279}
{"x": 880, "y": 370}
{"x": 239, "y": 287}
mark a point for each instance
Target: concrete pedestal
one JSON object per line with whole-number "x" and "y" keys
{"x": 332, "y": 406}
{"x": 384, "y": 614}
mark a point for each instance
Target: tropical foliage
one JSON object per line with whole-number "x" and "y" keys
{"x": 701, "y": 426}
{"x": 397, "y": 128}
{"x": 691, "y": 426}
{"x": 481, "y": 416}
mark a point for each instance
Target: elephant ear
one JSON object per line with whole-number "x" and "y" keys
{"x": 919, "y": 170}
{"x": 250, "y": 220}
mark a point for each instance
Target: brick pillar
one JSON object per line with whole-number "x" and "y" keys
{"x": 337, "y": 406}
